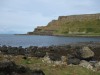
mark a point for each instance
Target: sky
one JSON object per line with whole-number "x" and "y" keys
{"x": 22, "y": 16}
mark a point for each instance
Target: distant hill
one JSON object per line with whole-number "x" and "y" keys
{"x": 87, "y": 24}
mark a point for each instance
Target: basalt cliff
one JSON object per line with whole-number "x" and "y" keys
{"x": 86, "y": 24}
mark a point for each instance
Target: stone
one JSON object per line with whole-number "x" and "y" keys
{"x": 38, "y": 72}
{"x": 97, "y": 66}
{"x": 58, "y": 63}
{"x": 7, "y": 66}
{"x": 21, "y": 69}
{"x": 46, "y": 59}
{"x": 55, "y": 57}
{"x": 39, "y": 54}
{"x": 86, "y": 52}
{"x": 74, "y": 61}
{"x": 86, "y": 64}
{"x": 63, "y": 58}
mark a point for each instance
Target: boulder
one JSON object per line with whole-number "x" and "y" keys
{"x": 39, "y": 54}
{"x": 55, "y": 57}
{"x": 74, "y": 61}
{"x": 7, "y": 67}
{"x": 86, "y": 64}
{"x": 63, "y": 58}
{"x": 97, "y": 66}
{"x": 86, "y": 53}
{"x": 4, "y": 49}
{"x": 47, "y": 60}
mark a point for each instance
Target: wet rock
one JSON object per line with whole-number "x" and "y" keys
{"x": 4, "y": 49}
{"x": 33, "y": 50}
{"x": 21, "y": 51}
{"x": 12, "y": 50}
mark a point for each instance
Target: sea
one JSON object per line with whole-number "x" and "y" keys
{"x": 38, "y": 40}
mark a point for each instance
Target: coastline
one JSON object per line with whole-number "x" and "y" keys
{"x": 62, "y": 35}
{"x": 62, "y": 59}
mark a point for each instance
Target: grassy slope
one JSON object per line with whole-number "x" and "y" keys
{"x": 85, "y": 27}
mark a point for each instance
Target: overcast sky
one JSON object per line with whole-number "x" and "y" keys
{"x": 21, "y": 16}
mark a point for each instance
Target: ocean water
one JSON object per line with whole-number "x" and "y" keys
{"x": 36, "y": 40}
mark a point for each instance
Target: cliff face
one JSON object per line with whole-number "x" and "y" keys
{"x": 74, "y": 24}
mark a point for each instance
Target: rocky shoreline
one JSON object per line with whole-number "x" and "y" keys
{"x": 82, "y": 54}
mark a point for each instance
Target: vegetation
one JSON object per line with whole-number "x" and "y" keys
{"x": 70, "y": 25}
{"x": 76, "y": 27}
{"x": 52, "y": 70}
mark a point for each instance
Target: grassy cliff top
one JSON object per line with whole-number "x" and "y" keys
{"x": 87, "y": 24}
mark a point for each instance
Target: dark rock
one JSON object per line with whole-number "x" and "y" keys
{"x": 24, "y": 57}
{"x": 4, "y": 49}
{"x": 96, "y": 51}
{"x": 12, "y": 50}
{"x": 68, "y": 46}
{"x": 1, "y": 73}
{"x": 38, "y": 72}
{"x": 21, "y": 51}
{"x": 70, "y": 56}
{"x": 74, "y": 61}
{"x": 21, "y": 69}
{"x": 7, "y": 67}
{"x": 32, "y": 50}
{"x": 55, "y": 57}
{"x": 39, "y": 54}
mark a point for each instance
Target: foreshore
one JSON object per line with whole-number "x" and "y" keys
{"x": 62, "y": 50}
{"x": 41, "y": 59}
{"x": 62, "y": 35}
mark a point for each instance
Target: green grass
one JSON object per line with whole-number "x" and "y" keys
{"x": 89, "y": 27}
{"x": 51, "y": 70}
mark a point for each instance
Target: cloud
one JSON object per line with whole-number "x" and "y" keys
{"x": 21, "y": 16}
{"x": 22, "y": 21}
